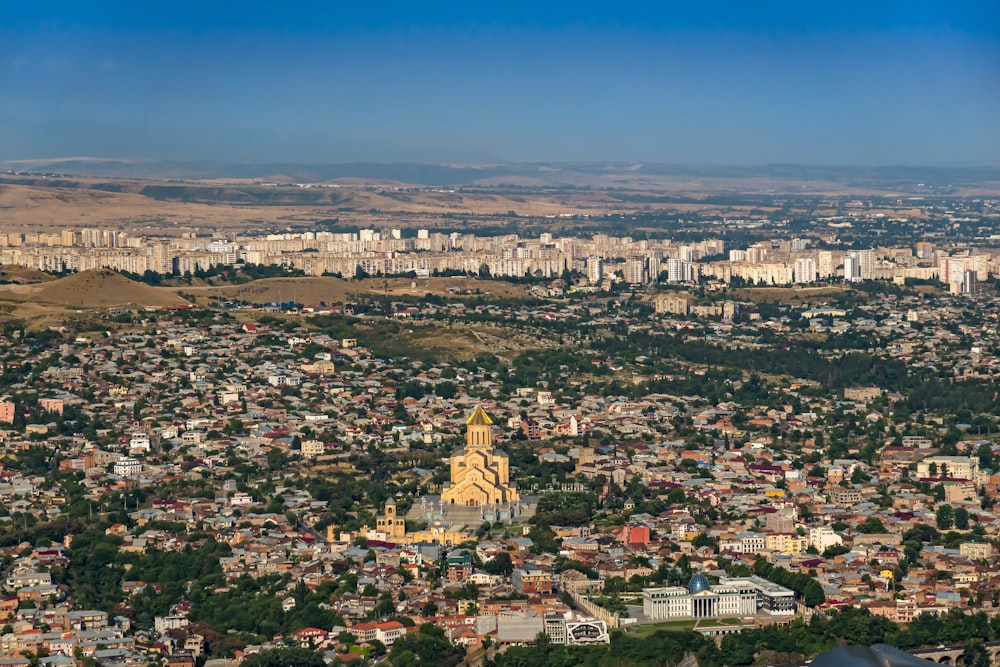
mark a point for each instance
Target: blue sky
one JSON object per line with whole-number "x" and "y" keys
{"x": 846, "y": 83}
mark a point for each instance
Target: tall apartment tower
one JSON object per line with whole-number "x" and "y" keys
{"x": 679, "y": 271}
{"x": 595, "y": 270}
{"x": 804, "y": 270}
{"x": 866, "y": 264}
{"x": 635, "y": 271}
{"x": 824, "y": 264}
{"x": 852, "y": 269}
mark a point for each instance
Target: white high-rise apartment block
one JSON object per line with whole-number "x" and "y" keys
{"x": 970, "y": 283}
{"x": 635, "y": 271}
{"x": 679, "y": 271}
{"x": 866, "y": 264}
{"x": 852, "y": 269}
{"x": 595, "y": 269}
{"x": 804, "y": 270}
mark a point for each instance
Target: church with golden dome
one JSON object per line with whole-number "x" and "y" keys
{"x": 480, "y": 474}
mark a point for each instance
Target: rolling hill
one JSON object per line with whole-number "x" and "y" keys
{"x": 95, "y": 289}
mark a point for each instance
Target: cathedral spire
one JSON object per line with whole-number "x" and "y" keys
{"x": 479, "y": 418}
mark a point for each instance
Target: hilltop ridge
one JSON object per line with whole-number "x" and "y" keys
{"x": 97, "y": 288}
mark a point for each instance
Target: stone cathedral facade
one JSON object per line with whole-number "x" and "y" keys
{"x": 480, "y": 474}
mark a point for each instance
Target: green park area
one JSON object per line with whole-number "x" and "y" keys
{"x": 685, "y": 625}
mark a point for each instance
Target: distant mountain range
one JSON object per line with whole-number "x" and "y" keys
{"x": 598, "y": 175}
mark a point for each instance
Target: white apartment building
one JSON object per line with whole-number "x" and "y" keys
{"x": 852, "y": 269}
{"x": 680, "y": 271}
{"x": 804, "y": 270}
{"x": 139, "y": 442}
{"x": 822, "y": 538}
{"x": 127, "y": 467}
{"x": 595, "y": 270}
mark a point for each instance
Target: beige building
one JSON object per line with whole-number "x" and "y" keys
{"x": 959, "y": 492}
{"x": 862, "y": 394}
{"x": 480, "y": 475}
{"x": 313, "y": 448}
{"x": 675, "y": 304}
{"x": 954, "y": 467}
{"x": 976, "y": 550}
{"x": 393, "y": 525}
{"x": 841, "y": 496}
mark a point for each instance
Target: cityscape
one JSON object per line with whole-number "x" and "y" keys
{"x": 548, "y": 335}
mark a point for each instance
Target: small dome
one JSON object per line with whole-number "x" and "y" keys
{"x": 698, "y": 584}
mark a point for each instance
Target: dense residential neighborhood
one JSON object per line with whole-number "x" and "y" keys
{"x": 205, "y": 483}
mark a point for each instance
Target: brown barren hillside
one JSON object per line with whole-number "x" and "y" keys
{"x": 325, "y": 289}
{"x": 565, "y": 200}
{"x": 34, "y": 208}
{"x": 94, "y": 289}
{"x": 140, "y": 207}
{"x": 23, "y": 275}
{"x": 272, "y": 290}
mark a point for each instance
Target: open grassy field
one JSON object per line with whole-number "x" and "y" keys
{"x": 685, "y": 625}
{"x": 326, "y": 289}
{"x": 798, "y": 296}
{"x": 787, "y": 295}
{"x": 438, "y": 341}
{"x": 149, "y": 206}
{"x": 674, "y": 626}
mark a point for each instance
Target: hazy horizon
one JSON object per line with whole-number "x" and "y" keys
{"x": 846, "y": 84}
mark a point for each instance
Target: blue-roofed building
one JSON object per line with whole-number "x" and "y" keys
{"x": 698, "y": 583}
{"x": 735, "y": 597}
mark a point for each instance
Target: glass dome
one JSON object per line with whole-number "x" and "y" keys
{"x": 698, "y": 583}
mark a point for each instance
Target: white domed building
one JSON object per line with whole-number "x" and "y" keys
{"x": 739, "y": 597}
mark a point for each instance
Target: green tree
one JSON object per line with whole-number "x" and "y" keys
{"x": 427, "y": 646}
{"x": 945, "y": 516}
{"x": 975, "y": 655}
{"x": 872, "y": 525}
{"x": 500, "y": 564}
{"x": 985, "y": 455}
{"x": 445, "y": 390}
{"x": 704, "y": 540}
{"x": 961, "y": 518}
{"x": 285, "y": 657}
{"x": 813, "y": 595}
